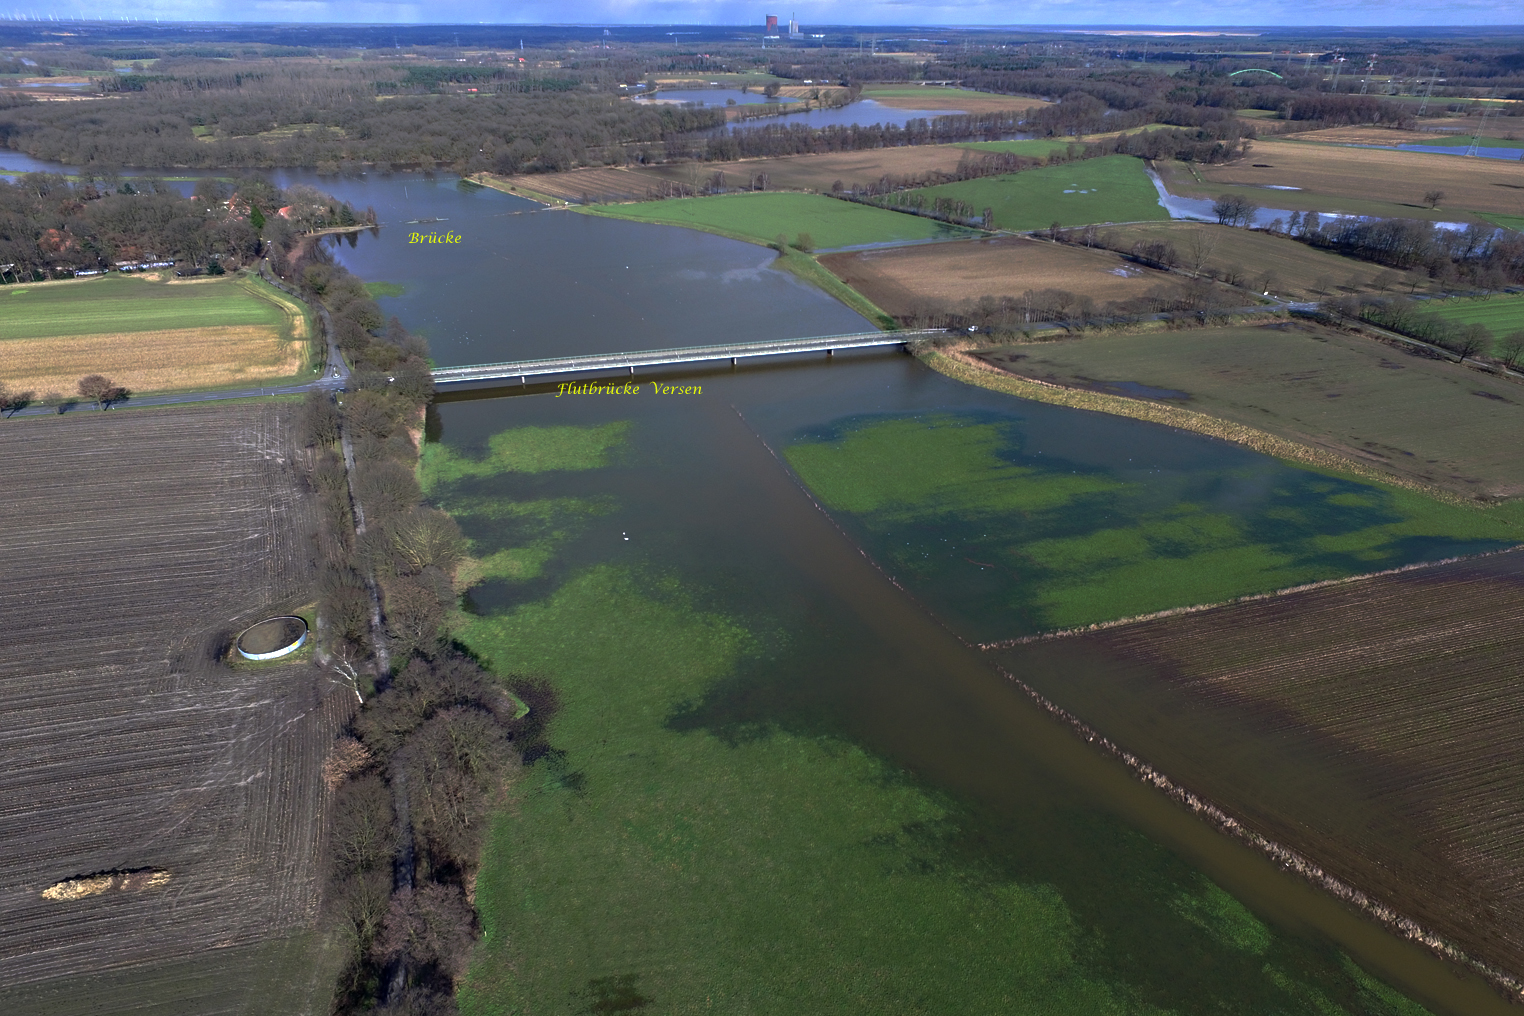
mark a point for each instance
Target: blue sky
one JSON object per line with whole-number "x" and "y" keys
{"x": 837, "y": 12}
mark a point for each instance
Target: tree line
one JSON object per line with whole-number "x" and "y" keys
{"x": 438, "y": 743}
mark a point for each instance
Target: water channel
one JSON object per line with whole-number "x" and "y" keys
{"x": 702, "y": 498}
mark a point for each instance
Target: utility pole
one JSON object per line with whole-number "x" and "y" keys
{"x": 1476, "y": 140}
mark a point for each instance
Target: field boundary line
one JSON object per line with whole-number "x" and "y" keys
{"x": 1282, "y": 855}
{"x": 1157, "y": 615}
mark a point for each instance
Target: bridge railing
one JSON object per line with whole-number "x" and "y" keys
{"x": 680, "y": 354}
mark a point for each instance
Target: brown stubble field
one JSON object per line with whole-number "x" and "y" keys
{"x": 137, "y": 543}
{"x": 1372, "y": 726}
{"x": 899, "y": 280}
{"x": 176, "y": 358}
{"x": 1366, "y": 174}
{"x": 794, "y": 172}
{"x": 1298, "y": 269}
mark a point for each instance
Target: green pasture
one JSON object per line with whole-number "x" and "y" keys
{"x": 380, "y": 289}
{"x": 1036, "y": 148}
{"x": 655, "y": 859}
{"x": 1110, "y": 189}
{"x": 1502, "y": 314}
{"x": 760, "y": 218}
{"x": 1009, "y": 543}
{"x": 1513, "y": 222}
{"x": 120, "y": 303}
{"x": 523, "y": 450}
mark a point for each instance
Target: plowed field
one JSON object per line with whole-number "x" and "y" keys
{"x": 136, "y": 545}
{"x": 1372, "y": 726}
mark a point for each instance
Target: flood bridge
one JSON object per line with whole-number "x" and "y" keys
{"x": 524, "y": 370}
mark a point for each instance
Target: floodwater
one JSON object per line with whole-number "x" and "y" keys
{"x": 703, "y": 496}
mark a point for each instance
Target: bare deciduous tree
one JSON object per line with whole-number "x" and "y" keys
{"x": 1200, "y": 245}
{"x": 101, "y": 390}
{"x": 1433, "y": 198}
{"x": 1511, "y": 349}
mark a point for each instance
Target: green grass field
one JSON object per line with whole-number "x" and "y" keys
{"x": 1110, "y": 189}
{"x": 759, "y": 218}
{"x": 1513, "y": 222}
{"x": 1503, "y": 314}
{"x": 1331, "y": 390}
{"x": 119, "y": 303}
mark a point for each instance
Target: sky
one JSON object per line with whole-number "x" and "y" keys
{"x": 833, "y": 12}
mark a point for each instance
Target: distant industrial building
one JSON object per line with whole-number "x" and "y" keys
{"x": 772, "y": 24}
{"x": 793, "y": 28}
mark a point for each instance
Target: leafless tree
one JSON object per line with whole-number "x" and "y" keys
{"x": 1433, "y": 198}
{"x": 1200, "y": 245}
{"x": 432, "y": 925}
{"x": 1511, "y": 349}
{"x": 422, "y": 538}
{"x": 101, "y": 390}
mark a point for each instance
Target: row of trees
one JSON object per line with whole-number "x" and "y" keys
{"x": 438, "y": 744}
{"x": 1410, "y": 317}
{"x": 1188, "y": 302}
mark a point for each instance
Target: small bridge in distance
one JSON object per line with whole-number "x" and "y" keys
{"x": 523, "y": 370}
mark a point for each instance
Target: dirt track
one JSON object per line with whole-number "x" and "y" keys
{"x": 136, "y": 544}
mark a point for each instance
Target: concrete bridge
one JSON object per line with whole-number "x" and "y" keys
{"x": 523, "y": 370}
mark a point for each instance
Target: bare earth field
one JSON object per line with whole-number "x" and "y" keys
{"x": 137, "y": 543}
{"x": 1298, "y": 268}
{"x": 796, "y": 172}
{"x": 1421, "y": 419}
{"x": 1372, "y": 726}
{"x": 1006, "y": 266}
{"x": 152, "y": 361}
{"x": 1477, "y": 185}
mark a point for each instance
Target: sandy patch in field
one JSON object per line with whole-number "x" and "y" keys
{"x": 1366, "y": 136}
{"x": 150, "y": 361}
{"x": 966, "y": 270}
{"x": 1480, "y": 185}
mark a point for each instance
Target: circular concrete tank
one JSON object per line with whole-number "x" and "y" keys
{"x": 273, "y": 638}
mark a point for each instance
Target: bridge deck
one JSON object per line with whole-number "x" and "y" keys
{"x": 524, "y": 369}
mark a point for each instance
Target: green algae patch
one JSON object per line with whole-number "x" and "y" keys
{"x": 1003, "y": 542}
{"x": 773, "y": 874}
{"x": 525, "y": 450}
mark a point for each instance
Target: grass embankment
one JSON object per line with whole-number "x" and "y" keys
{"x": 153, "y": 336}
{"x": 673, "y": 865}
{"x": 1008, "y": 543}
{"x": 1111, "y": 189}
{"x": 1502, "y": 314}
{"x": 806, "y": 267}
{"x": 761, "y": 218}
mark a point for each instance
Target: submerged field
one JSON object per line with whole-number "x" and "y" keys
{"x": 1112, "y": 189}
{"x": 1373, "y": 726}
{"x": 761, "y": 218}
{"x": 1317, "y": 387}
{"x": 149, "y": 335}
{"x": 703, "y": 830}
{"x": 137, "y": 544}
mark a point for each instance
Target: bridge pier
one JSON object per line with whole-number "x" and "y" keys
{"x": 830, "y": 353}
